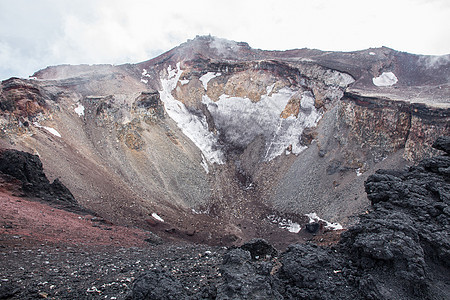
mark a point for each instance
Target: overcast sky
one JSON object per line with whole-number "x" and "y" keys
{"x": 38, "y": 33}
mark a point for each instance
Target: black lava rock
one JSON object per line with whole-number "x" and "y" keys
{"x": 27, "y": 168}
{"x": 244, "y": 278}
{"x": 312, "y": 272}
{"x": 156, "y": 285}
{"x": 7, "y": 291}
{"x": 312, "y": 227}
{"x": 443, "y": 143}
{"x": 260, "y": 249}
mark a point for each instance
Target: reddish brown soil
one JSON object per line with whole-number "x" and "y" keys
{"x": 25, "y": 222}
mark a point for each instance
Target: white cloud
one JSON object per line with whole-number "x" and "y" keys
{"x": 34, "y": 34}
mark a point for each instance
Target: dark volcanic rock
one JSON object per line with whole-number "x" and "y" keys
{"x": 407, "y": 233}
{"x": 443, "y": 143}
{"x": 311, "y": 272}
{"x": 405, "y": 236}
{"x": 246, "y": 279}
{"x": 7, "y": 291}
{"x": 260, "y": 249}
{"x": 27, "y": 168}
{"x": 157, "y": 285}
{"x": 312, "y": 227}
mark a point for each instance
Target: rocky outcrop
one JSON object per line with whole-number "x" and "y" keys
{"x": 382, "y": 126}
{"x": 426, "y": 124}
{"x": 21, "y": 97}
{"x": 27, "y": 168}
{"x": 21, "y": 102}
{"x": 379, "y": 127}
{"x": 260, "y": 249}
{"x": 405, "y": 235}
{"x": 150, "y": 106}
{"x": 442, "y": 143}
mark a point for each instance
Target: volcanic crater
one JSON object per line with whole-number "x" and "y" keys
{"x": 215, "y": 143}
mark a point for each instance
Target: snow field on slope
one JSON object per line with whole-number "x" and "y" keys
{"x": 49, "y": 129}
{"x": 144, "y": 75}
{"x": 263, "y": 118}
{"x": 157, "y": 217}
{"x": 240, "y": 120}
{"x": 285, "y": 223}
{"x": 193, "y": 126}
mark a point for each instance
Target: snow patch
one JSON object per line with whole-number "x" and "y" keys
{"x": 49, "y": 129}
{"x": 314, "y": 218}
{"x": 205, "y": 164}
{"x": 184, "y": 81}
{"x": 307, "y": 101}
{"x": 193, "y": 126}
{"x": 143, "y": 75}
{"x": 358, "y": 172}
{"x": 155, "y": 216}
{"x": 371, "y": 53}
{"x": 200, "y": 212}
{"x": 285, "y": 223}
{"x": 385, "y": 79}
{"x": 207, "y": 77}
{"x": 79, "y": 110}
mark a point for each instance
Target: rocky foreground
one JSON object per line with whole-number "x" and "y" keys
{"x": 400, "y": 249}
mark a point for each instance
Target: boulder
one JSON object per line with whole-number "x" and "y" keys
{"x": 260, "y": 249}
{"x": 443, "y": 143}
{"x": 156, "y": 285}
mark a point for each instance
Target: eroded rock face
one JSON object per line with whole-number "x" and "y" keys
{"x": 379, "y": 127}
{"x": 426, "y": 124}
{"x": 22, "y": 97}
